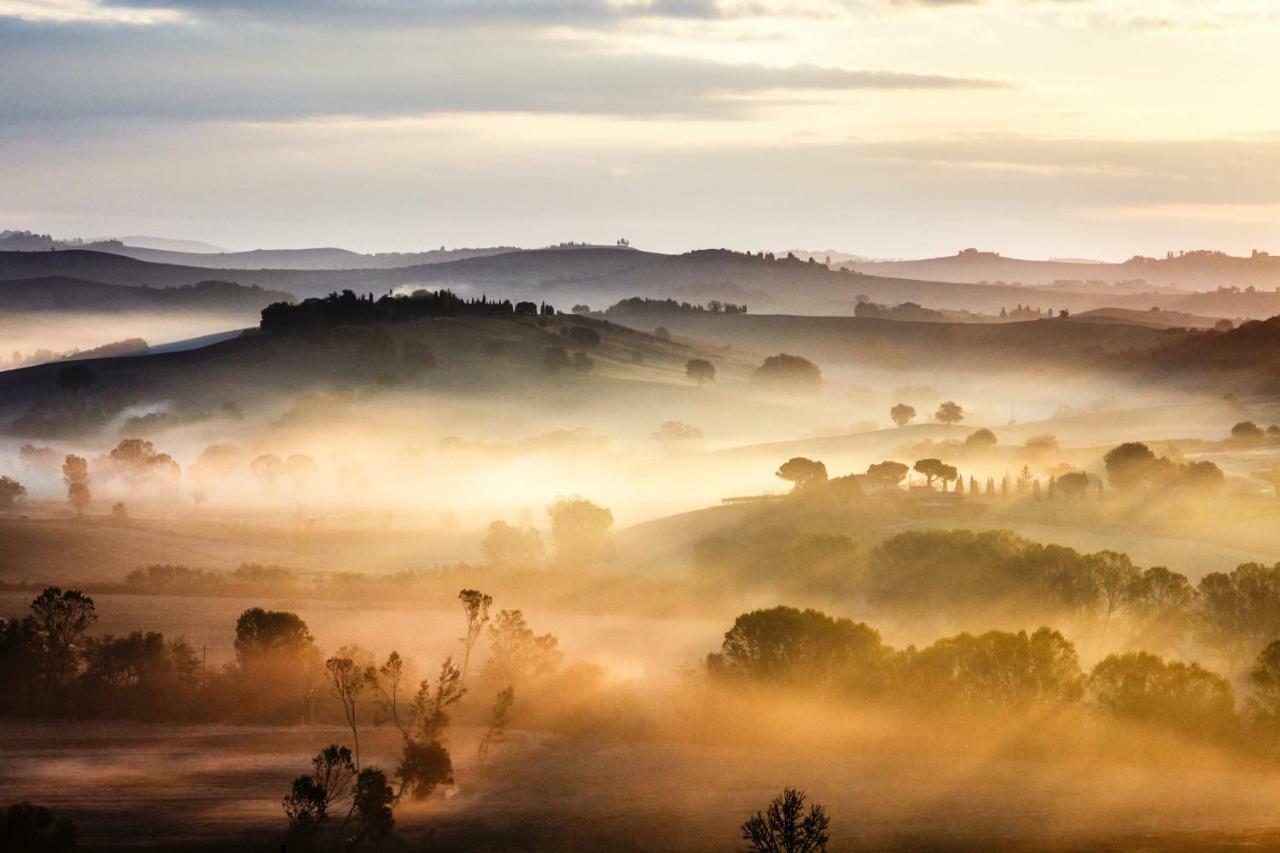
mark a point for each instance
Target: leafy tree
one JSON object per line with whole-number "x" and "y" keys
{"x": 10, "y": 492}
{"x": 790, "y": 374}
{"x": 1133, "y": 465}
{"x": 902, "y": 414}
{"x": 499, "y": 719}
{"x": 60, "y": 619}
{"x": 516, "y": 654}
{"x": 935, "y": 469}
{"x": 1144, "y": 687}
{"x": 311, "y": 797}
{"x": 983, "y": 439}
{"x": 1073, "y": 485}
{"x": 264, "y": 632}
{"x": 580, "y": 530}
{"x": 949, "y": 413}
{"x": 786, "y": 828}
{"x": 424, "y": 766}
{"x": 802, "y": 472}
{"x": 475, "y": 607}
{"x": 1240, "y": 610}
{"x": 1264, "y": 679}
{"x": 1247, "y": 432}
{"x": 889, "y": 473}
{"x": 1162, "y": 605}
{"x": 75, "y": 473}
{"x": 700, "y": 370}
{"x": 277, "y": 663}
{"x": 1115, "y": 575}
{"x": 508, "y": 547}
{"x": 800, "y": 647}
{"x": 997, "y": 669}
{"x": 371, "y": 803}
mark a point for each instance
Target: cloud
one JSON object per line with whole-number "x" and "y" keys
{"x": 175, "y": 72}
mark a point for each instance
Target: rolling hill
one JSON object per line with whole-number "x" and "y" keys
{"x": 58, "y": 294}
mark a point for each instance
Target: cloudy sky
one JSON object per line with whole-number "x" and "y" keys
{"x": 893, "y": 128}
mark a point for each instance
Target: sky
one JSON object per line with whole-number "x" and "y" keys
{"x": 888, "y": 128}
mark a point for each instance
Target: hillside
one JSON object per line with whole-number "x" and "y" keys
{"x": 480, "y": 358}
{"x": 870, "y": 341}
{"x": 297, "y": 259}
{"x": 56, "y": 293}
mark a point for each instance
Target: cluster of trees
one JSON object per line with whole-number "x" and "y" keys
{"x": 643, "y": 305}
{"x": 948, "y": 413}
{"x": 973, "y": 576}
{"x": 994, "y": 672}
{"x": 52, "y": 667}
{"x": 348, "y": 308}
{"x": 1134, "y": 467}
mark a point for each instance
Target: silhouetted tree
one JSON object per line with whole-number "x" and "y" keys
{"x": 1073, "y": 485}
{"x": 789, "y": 373}
{"x": 60, "y": 620}
{"x": 786, "y": 828}
{"x": 371, "y": 805}
{"x": 889, "y": 472}
{"x": 902, "y": 414}
{"x": 10, "y": 491}
{"x": 499, "y": 719}
{"x": 1247, "y": 432}
{"x": 475, "y": 607}
{"x": 700, "y": 370}
{"x": 935, "y": 469}
{"x": 25, "y": 828}
{"x": 311, "y": 797}
{"x": 1146, "y": 688}
{"x": 347, "y": 681}
{"x": 678, "y": 435}
{"x": 983, "y": 439}
{"x": 1263, "y": 704}
{"x": 949, "y": 413}
{"x": 800, "y": 647}
{"x": 802, "y": 472}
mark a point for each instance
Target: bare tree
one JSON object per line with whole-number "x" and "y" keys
{"x": 347, "y": 682}
{"x": 786, "y": 829}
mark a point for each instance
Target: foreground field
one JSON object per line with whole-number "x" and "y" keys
{"x": 191, "y": 785}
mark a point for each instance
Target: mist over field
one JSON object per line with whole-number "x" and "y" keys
{"x": 628, "y": 425}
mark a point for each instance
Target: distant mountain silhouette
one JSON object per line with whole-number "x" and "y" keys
{"x": 600, "y": 276}
{"x": 142, "y": 241}
{"x": 298, "y": 259}
{"x": 1189, "y": 271}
